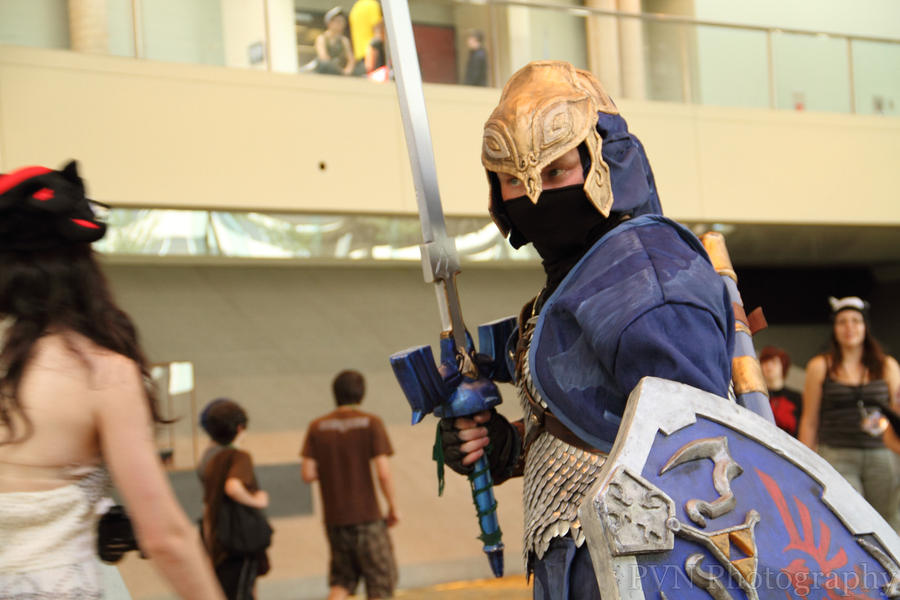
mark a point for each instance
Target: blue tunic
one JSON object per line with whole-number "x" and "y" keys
{"x": 644, "y": 300}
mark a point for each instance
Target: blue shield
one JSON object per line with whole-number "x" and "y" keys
{"x": 701, "y": 498}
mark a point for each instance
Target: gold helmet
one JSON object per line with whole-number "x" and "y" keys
{"x": 547, "y": 108}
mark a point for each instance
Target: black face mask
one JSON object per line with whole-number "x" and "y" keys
{"x": 559, "y": 225}
{"x": 562, "y": 226}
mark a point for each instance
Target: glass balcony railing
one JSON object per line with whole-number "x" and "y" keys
{"x": 637, "y": 56}
{"x": 253, "y": 235}
{"x": 369, "y": 239}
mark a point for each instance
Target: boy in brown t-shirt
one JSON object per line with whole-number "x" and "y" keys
{"x": 225, "y": 421}
{"x": 337, "y": 453}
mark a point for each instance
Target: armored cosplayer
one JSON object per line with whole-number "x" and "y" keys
{"x": 628, "y": 293}
{"x": 652, "y": 466}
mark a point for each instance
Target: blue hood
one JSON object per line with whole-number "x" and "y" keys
{"x": 633, "y": 186}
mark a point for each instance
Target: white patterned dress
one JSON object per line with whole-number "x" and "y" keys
{"x": 48, "y": 541}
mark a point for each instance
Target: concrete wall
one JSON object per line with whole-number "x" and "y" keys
{"x": 160, "y": 134}
{"x": 277, "y": 335}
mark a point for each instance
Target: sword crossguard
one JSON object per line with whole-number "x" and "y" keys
{"x": 462, "y": 385}
{"x": 457, "y": 362}
{"x": 450, "y": 390}
{"x": 439, "y": 260}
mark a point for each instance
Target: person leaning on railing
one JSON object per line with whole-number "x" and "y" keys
{"x": 333, "y": 53}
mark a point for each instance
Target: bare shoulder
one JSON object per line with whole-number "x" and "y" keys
{"x": 816, "y": 367}
{"x": 891, "y": 367}
{"x": 817, "y": 362}
{"x": 107, "y": 368}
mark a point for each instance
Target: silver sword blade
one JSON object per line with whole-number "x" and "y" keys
{"x": 440, "y": 261}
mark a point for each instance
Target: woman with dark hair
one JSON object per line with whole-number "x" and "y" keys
{"x": 75, "y": 400}
{"x": 847, "y": 390}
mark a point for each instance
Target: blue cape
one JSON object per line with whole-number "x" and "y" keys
{"x": 644, "y": 300}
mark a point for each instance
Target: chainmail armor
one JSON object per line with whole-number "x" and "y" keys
{"x": 557, "y": 475}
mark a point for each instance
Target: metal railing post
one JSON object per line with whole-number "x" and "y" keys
{"x": 495, "y": 74}
{"x": 687, "y": 92}
{"x": 137, "y": 28}
{"x": 770, "y": 60}
{"x": 851, "y": 76}
{"x": 268, "y": 36}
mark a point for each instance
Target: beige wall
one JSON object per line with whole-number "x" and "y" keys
{"x": 162, "y": 134}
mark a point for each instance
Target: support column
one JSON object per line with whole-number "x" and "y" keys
{"x": 282, "y": 35}
{"x": 631, "y": 34}
{"x": 603, "y": 47}
{"x": 244, "y": 34}
{"x": 88, "y": 26}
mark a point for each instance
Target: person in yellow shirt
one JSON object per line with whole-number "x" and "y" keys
{"x": 364, "y": 15}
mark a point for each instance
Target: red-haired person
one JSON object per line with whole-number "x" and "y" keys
{"x": 787, "y": 404}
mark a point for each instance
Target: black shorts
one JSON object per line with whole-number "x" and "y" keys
{"x": 365, "y": 551}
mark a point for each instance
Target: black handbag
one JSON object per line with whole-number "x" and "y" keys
{"x": 240, "y": 529}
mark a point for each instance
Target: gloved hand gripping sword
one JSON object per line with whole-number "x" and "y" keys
{"x": 459, "y": 387}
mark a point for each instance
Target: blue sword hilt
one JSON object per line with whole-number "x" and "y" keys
{"x": 447, "y": 393}
{"x": 486, "y": 507}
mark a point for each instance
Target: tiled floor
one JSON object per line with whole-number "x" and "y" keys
{"x": 506, "y": 588}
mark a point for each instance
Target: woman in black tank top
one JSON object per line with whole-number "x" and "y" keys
{"x": 847, "y": 390}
